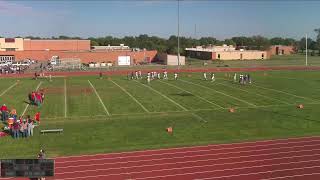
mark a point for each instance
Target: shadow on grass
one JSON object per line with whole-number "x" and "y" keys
{"x": 182, "y": 94}
{"x": 26, "y": 102}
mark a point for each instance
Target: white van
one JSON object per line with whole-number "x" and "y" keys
{"x": 54, "y": 60}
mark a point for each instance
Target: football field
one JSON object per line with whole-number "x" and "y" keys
{"x": 116, "y": 114}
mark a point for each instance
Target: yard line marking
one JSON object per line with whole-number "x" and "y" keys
{"x": 199, "y": 117}
{"x": 166, "y": 112}
{"x": 65, "y": 98}
{"x": 220, "y": 93}
{"x": 5, "y": 91}
{"x": 253, "y": 93}
{"x": 25, "y": 109}
{"x": 144, "y": 108}
{"x": 261, "y": 87}
{"x": 104, "y": 107}
{"x": 179, "y": 162}
{"x": 193, "y": 94}
{"x": 166, "y": 97}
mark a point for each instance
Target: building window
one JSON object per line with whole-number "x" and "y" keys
{"x": 218, "y": 56}
{"x": 262, "y": 56}
{"x": 9, "y": 40}
{"x": 10, "y": 49}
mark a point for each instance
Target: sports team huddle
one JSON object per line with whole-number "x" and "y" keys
{"x": 241, "y": 78}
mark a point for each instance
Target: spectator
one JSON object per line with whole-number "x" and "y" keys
{"x": 30, "y": 126}
{"x": 13, "y": 113}
{"x": 4, "y": 112}
{"x": 37, "y": 117}
{"x": 24, "y": 128}
{"x": 16, "y": 128}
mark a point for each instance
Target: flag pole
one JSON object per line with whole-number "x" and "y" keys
{"x": 306, "y": 50}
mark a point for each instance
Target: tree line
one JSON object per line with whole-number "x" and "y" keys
{"x": 169, "y": 45}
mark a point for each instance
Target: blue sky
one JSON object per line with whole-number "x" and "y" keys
{"x": 220, "y": 19}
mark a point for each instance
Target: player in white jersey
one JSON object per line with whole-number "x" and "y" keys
{"x": 212, "y": 77}
{"x": 175, "y": 76}
{"x": 155, "y": 75}
{"x": 205, "y": 76}
{"x": 159, "y": 75}
{"x": 235, "y": 77}
{"x": 148, "y": 77}
{"x": 140, "y": 75}
{"x": 165, "y": 75}
{"x": 137, "y": 75}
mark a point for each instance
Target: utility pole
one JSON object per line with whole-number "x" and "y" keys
{"x": 195, "y": 31}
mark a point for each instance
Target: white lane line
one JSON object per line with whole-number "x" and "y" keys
{"x": 254, "y": 173}
{"x": 5, "y": 91}
{"x": 293, "y": 176}
{"x": 210, "y": 102}
{"x": 201, "y": 172}
{"x": 65, "y": 98}
{"x": 202, "y": 151}
{"x": 104, "y": 107}
{"x": 184, "y": 162}
{"x": 144, "y": 108}
{"x": 275, "y": 90}
{"x": 166, "y": 97}
{"x": 195, "y": 161}
{"x": 252, "y": 143}
{"x": 25, "y": 109}
{"x": 231, "y": 169}
{"x": 267, "y": 97}
{"x": 220, "y": 93}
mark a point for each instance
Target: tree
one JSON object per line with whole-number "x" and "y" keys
{"x": 318, "y": 39}
{"x": 302, "y": 44}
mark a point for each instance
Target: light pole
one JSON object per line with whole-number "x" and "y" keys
{"x": 306, "y": 50}
{"x": 178, "y": 34}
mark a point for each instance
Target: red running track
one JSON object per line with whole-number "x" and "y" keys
{"x": 295, "y": 158}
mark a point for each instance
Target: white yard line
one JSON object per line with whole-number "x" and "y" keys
{"x": 193, "y": 94}
{"x": 65, "y": 98}
{"x": 261, "y": 87}
{"x": 254, "y": 93}
{"x": 144, "y": 108}
{"x": 166, "y": 97}
{"x": 5, "y": 91}
{"x": 220, "y": 93}
{"x": 199, "y": 117}
{"x": 25, "y": 109}
{"x": 104, "y": 107}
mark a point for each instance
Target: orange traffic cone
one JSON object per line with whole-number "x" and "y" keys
{"x": 300, "y": 106}
{"x": 169, "y": 130}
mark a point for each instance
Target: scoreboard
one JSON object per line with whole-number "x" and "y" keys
{"x": 31, "y": 168}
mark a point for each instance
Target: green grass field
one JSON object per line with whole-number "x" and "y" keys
{"x": 115, "y": 114}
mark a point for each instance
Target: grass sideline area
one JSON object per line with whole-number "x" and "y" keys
{"x": 115, "y": 114}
